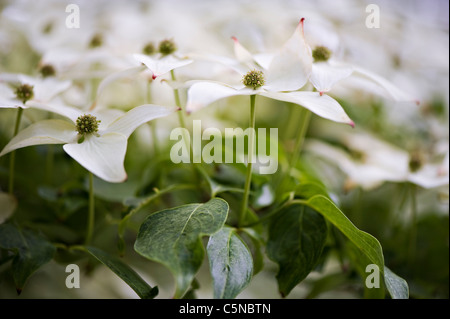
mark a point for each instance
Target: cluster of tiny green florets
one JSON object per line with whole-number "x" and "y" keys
{"x": 254, "y": 79}
{"x": 321, "y": 54}
{"x": 415, "y": 162}
{"x": 24, "y": 92}
{"x": 149, "y": 49}
{"x": 96, "y": 41}
{"x": 87, "y": 124}
{"x": 167, "y": 47}
{"x": 47, "y": 70}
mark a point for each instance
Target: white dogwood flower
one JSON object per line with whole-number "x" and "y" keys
{"x": 329, "y": 69}
{"x": 17, "y": 89}
{"x": 369, "y": 162}
{"x": 283, "y": 75}
{"x": 98, "y": 141}
{"x": 157, "y": 61}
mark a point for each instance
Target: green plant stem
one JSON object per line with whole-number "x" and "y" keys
{"x": 181, "y": 115}
{"x": 152, "y": 123}
{"x": 251, "y": 146}
{"x": 302, "y": 118}
{"x": 49, "y": 163}
{"x": 91, "y": 212}
{"x": 186, "y": 135}
{"x": 12, "y": 157}
{"x": 292, "y": 121}
{"x": 305, "y": 117}
{"x": 413, "y": 229}
{"x": 176, "y": 94}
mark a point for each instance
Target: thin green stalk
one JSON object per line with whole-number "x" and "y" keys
{"x": 12, "y": 157}
{"x": 152, "y": 123}
{"x": 49, "y": 163}
{"x": 413, "y": 229}
{"x": 176, "y": 93}
{"x": 304, "y": 123}
{"x": 91, "y": 212}
{"x": 305, "y": 116}
{"x": 251, "y": 146}
{"x": 292, "y": 121}
{"x": 181, "y": 115}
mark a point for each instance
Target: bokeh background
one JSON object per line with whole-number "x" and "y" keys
{"x": 410, "y": 49}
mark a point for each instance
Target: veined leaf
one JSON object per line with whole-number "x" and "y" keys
{"x": 230, "y": 262}
{"x": 397, "y": 286}
{"x": 125, "y": 272}
{"x": 173, "y": 237}
{"x": 297, "y": 236}
{"x": 31, "y": 252}
{"x": 366, "y": 243}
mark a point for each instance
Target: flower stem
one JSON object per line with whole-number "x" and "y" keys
{"x": 152, "y": 123}
{"x": 413, "y": 229}
{"x": 12, "y": 157}
{"x": 251, "y": 146}
{"x": 176, "y": 94}
{"x": 305, "y": 117}
{"x": 91, "y": 212}
{"x": 49, "y": 163}
{"x": 181, "y": 115}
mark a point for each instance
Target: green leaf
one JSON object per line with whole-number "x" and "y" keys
{"x": 297, "y": 235}
{"x": 173, "y": 237}
{"x": 397, "y": 286}
{"x": 125, "y": 272}
{"x": 31, "y": 252}
{"x": 255, "y": 244}
{"x": 360, "y": 261}
{"x": 366, "y": 243}
{"x": 326, "y": 283}
{"x": 310, "y": 189}
{"x": 230, "y": 262}
{"x": 216, "y": 188}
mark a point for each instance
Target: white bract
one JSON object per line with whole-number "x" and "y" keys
{"x": 328, "y": 72}
{"x": 156, "y": 64}
{"x": 44, "y": 89}
{"x": 101, "y": 152}
{"x": 285, "y": 73}
{"x": 378, "y": 162}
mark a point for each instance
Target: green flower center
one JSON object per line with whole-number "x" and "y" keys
{"x": 254, "y": 79}
{"x": 87, "y": 124}
{"x": 415, "y": 162}
{"x": 24, "y": 92}
{"x": 321, "y": 54}
{"x": 47, "y": 28}
{"x": 149, "y": 49}
{"x": 167, "y": 47}
{"x": 47, "y": 70}
{"x": 96, "y": 41}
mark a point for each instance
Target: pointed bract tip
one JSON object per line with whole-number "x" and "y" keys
{"x": 234, "y": 39}
{"x": 301, "y": 26}
{"x": 154, "y": 76}
{"x": 352, "y": 124}
{"x": 19, "y": 291}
